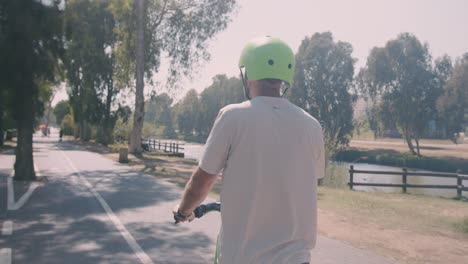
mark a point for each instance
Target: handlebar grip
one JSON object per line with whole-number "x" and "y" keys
{"x": 203, "y": 209}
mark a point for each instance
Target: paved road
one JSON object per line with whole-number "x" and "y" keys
{"x": 89, "y": 209}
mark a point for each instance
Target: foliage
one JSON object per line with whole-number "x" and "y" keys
{"x": 397, "y": 159}
{"x": 67, "y": 124}
{"x": 195, "y": 114}
{"x": 148, "y": 29}
{"x": 188, "y": 114}
{"x": 122, "y": 129}
{"x": 91, "y": 66}
{"x": 61, "y": 109}
{"x": 323, "y": 80}
{"x": 178, "y": 29}
{"x": 453, "y": 105}
{"x": 223, "y": 91}
{"x": 401, "y": 77}
{"x": 158, "y": 111}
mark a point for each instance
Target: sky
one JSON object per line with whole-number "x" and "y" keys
{"x": 363, "y": 23}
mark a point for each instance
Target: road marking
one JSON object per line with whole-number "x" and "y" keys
{"x": 7, "y": 228}
{"x": 144, "y": 258}
{"x": 12, "y": 205}
{"x": 5, "y": 255}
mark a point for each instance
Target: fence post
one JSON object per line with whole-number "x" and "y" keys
{"x": 351, "y": 175}
{"x": 165, "y": 146}
{"x": 177, "y": 147}
{"x": 405, "y": 180}
{"x": 459, "y": 184}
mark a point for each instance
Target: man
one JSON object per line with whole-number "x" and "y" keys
{"x": 272, "y": 154}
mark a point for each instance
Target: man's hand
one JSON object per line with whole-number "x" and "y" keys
{"x": 181, "y": 217}
{"x": 196, "y": 190}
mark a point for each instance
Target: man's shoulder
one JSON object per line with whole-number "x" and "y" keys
{"x": 307, "y": 117}
{"x": 233, "y": 109}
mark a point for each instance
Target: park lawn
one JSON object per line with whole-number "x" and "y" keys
{"x": 409, "y": 228}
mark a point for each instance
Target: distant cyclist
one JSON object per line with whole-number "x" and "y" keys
{"x": 271, "y": 153}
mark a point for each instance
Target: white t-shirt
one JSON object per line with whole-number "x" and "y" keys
{"x": 272, "y": 153}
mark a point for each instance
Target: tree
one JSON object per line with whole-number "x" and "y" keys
{"x": 30, "y": 53}
{"x": 188, "y": 114}
{"x": 178, "y": 29}
{"x": 91, "y": 67}
{"x": 158, "y": 111}
{"x": 443, "y": 69}
{"x": 400, "y": 75}
{"x": 453, "y": 105}
{"x": 223, "y": 91}
{"x": 322, "y": 84}
{"x": 61, "y": 109}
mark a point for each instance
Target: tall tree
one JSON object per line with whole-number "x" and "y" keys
{"x": 443, "y": 70}
{"x": 91, "y": 66}
{"x": 158, "y": 111}
{"x": 61, "y": 109}
{"x": 402, "y": 78}
{"x": 178, "y": 29}
{"x": 323, "y": 81}
{"x": 221, "y": 92}
{"x": 29, "y": 52}
{"x": 453, "y": 105}
{"x": 188, "y": 114}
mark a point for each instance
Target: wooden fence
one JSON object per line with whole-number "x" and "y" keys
{"x": 458, "y": 185}
{"x": 151, "y": 145}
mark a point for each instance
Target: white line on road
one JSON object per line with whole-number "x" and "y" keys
{"x": 144, "y": 258}
{"x": 7, "y": 228}
{"x": 12, "y": 205}
{"x": 5, "y": 255}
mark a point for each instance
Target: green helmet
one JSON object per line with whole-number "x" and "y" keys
{"x": 268, "y": 58}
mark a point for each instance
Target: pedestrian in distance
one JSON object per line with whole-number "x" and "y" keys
{"x": 61, "y": 134}
{"x": 271, "y": 154}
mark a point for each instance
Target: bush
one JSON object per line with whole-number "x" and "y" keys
{"x": 122, "y": 130}
{"x": 396, "y": 159}
{"x": 67, "y": 125}
{"x": 336, "y": 176}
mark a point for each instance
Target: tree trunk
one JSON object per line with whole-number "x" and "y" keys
{"x": 417, "y": 146}
{"x": 409, "y": 142}
{"x": 48, "y": 114}
{"x": 24, "y": 164}
{"x": 1, "y": 127}
{"x": 135, "y": 142}
{"x": 82, "y": 129}
{"x": 106, "y": 137}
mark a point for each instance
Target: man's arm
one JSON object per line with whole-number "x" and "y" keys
{"x": 196, "y": 190}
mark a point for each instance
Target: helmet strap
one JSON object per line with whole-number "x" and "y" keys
{"x": 244, "y": 84}
{"x": 285, "y": 90}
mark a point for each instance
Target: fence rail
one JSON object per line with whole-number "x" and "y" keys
{"x": 404, "y": 180}
{"x": 152, "y": 145}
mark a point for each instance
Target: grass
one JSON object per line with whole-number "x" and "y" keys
{"x": 463, "y": 225}
{"x": 418, "y": 213}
